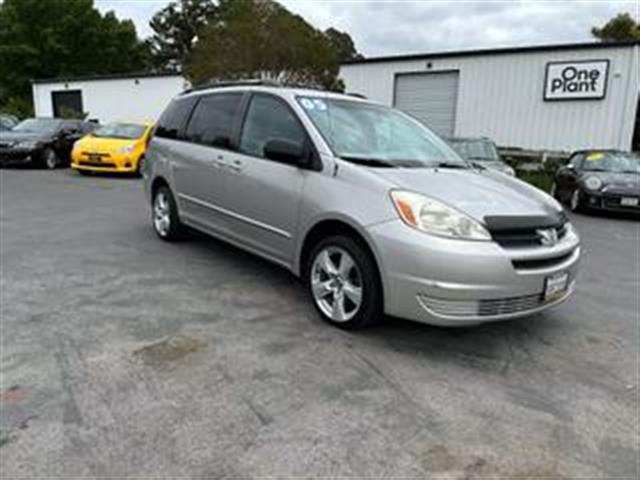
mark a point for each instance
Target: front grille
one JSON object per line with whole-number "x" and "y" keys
{"x": 481, "y": 308}
{"x": 540, "y": 262}
{"x": 615, "y": 202}
{"x": 523, "y": 237}
{"x": 97, "y": 164}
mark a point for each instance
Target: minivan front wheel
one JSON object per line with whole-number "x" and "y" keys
{"x": 166, "y": 222}
{"x": 343, "y": 283}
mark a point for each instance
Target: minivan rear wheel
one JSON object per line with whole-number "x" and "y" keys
{"x": 343, "y": 283}
{"x": 164, "y": 213}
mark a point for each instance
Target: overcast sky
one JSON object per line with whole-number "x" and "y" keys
{"x": 384, "y": 27}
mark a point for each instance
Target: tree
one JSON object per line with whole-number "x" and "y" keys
{"x": 342, "y": 45}
{"x": 620, "y": 28}
{"x": 262, "y": 39}
{"x": 176, "y": 30}
{"x": 58, "y": 38}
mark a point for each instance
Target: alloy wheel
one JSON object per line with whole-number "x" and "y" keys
{"x": 575, "y": 200}
{"x": 336, "y": 284}
{"x": 161, "y": 214}
{"x": 50, "y": 159}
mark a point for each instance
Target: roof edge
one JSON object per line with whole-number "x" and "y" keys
{"x": 494, "y": 51}
{"x": 108, "y": 76}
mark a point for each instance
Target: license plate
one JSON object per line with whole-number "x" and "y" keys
{"x": 555, "y": 285}
{"x": 629, "y": 202}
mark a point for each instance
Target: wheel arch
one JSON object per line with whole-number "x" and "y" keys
{"x": 335, "y": 226}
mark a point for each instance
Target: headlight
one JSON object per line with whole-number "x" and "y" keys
{"x": 27, "y": 145}
{"x": 127, "y": 149}
{"x": 593, "y": 183}
{"x": 434, "y": 217}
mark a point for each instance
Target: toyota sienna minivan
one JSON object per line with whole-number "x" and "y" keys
{"x": 373, "y": 211}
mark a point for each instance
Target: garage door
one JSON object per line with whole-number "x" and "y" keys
{"x": 429, "y": 97}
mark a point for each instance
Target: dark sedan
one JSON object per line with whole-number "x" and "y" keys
{"x": 605, "y": 180}
{"x": 43, "y": 142}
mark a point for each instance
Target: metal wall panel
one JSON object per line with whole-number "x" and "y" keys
{"x": 501, "y": 96}
{"x": 429, "y": 97}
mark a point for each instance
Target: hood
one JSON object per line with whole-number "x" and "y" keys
{"x": 10, "y": 137}
{"x": 101, "y": 144}
{"x": 479, "y": 194}
{"x": 617, "y": 182}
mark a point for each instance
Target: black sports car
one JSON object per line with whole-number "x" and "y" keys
{"x": 600, "y": 179}
{"x": 44, "y": 142}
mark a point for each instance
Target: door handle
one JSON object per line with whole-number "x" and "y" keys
{"x": 235, "y": 166}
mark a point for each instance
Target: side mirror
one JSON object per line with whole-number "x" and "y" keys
{"x": 286, "y": 151}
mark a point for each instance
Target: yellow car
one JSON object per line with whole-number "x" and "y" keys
{"x": 117, "y": 147}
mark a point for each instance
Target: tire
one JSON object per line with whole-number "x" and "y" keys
{"x": 140, "y": 167}
{"x": 575, "y": 201}
{"x": 164, "y": 215}
{"x": 355, "y": 284}
{"x": 50, "y": 159}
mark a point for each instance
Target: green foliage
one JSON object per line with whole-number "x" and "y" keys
{"x": 58, "y": 38}
{"x": 262, "y": 39}
{"x": 176, "y": 29}
{"x": 620, "y": 28}
{"x": 18, "y": 106}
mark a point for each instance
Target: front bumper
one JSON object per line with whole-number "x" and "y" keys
{"x": 454, "y": 282}
{"x": 17, "y": 157}
{"x": 103, "y": 162}
{"x": 611, "y": 201}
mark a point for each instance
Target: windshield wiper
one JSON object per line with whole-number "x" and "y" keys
{"x": 595, "y": 170}
{"x": 451, "y": 165}
{"x": 371, "y": 162}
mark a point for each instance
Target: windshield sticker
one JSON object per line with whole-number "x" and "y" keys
{"x": 320, "y": 105}
{"x": 594, "y": 157}
{"x": 307, "y": 104}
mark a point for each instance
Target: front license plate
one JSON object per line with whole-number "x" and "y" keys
{"x": 555, "y": 286}
{"x": 629, "y": 202}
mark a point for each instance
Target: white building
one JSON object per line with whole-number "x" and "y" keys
{"x": 135, "y": 98}
{"x": 560, "y": 97}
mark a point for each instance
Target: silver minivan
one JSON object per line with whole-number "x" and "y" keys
{"x": 371, "y": 209}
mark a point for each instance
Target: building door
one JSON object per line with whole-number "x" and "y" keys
{"x": 67, "y": 103}
{"x": 429, "y": 97}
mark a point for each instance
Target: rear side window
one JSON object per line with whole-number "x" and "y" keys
{"x": 213, "y": 118}
{"x": 173, "y": 119}
{"x": 269, "y": 119}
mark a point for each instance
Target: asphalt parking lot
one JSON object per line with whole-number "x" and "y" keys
{"x": 123, "y": 356}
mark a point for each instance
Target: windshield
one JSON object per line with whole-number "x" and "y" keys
{"x": 478, "y": 150}
{"x": 617, "y": 162}
{"x": 126, "y": 131}
{"x": 377, "y": 136}
{"x": 38, "y": 125}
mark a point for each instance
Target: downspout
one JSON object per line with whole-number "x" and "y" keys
{"x": 632, "y": 92}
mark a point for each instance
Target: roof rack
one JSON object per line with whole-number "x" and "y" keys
{"x": 250, "y": 82}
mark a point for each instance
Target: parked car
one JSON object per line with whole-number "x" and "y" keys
{"x": 600, "y": 179}
{"x": 481, "y": 152}
{"x": 374, "y": 211}
{"x": 117, "y": 147}
{"x": 7, "y": 122}
{"x": 43, "y": 142}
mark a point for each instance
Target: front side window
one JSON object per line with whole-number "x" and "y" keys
{"x": 212, "y": 119}
{"x": 268, "y": 119}
{"x": 377, "y": 135}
